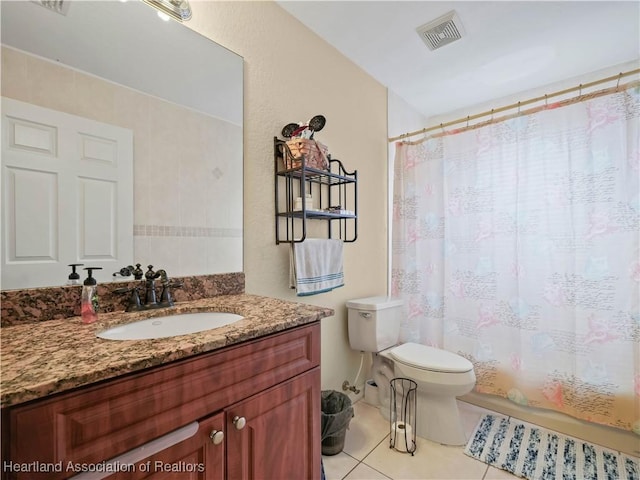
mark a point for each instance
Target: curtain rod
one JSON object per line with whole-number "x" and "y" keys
{"x": 516, "y": 105}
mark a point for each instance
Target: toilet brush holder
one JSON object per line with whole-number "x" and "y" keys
{"x": 402, "y": 415}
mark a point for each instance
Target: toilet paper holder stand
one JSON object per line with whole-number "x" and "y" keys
{"x": 402, "y": 415}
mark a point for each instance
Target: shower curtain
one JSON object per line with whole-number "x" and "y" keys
{"x": 516, "y": 245}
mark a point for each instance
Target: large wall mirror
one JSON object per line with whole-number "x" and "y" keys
{"x": 177, "y": 93}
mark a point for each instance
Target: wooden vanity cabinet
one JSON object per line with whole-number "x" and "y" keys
{"x": 196, "y": 458}
{"x": 269, "y": 441}
{"x": 264, "y": 395}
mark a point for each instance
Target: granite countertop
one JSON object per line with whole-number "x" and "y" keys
{"x": 40, "y": 359}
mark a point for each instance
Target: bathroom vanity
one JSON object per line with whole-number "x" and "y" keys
{"x": 237, "y": 402}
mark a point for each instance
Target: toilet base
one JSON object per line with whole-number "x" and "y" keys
{"x": 437, "y": 415}
{"x": 438, "y": 419}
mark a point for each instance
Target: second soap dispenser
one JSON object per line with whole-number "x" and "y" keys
{"x": 74, "y": 277}
{"x": 89, "y": 297}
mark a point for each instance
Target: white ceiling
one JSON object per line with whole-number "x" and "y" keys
{"x": 509, "y": 46}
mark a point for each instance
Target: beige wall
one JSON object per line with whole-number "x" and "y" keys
{"x": 290, "y": 76}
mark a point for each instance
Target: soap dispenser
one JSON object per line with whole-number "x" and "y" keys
{"x": 89, "y": 298}
{"x": 74, "y": 277}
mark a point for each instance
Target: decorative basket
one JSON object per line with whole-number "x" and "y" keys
{"x": 313, "y": 153}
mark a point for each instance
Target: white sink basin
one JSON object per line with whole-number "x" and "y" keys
{"x": 169, "y": 326}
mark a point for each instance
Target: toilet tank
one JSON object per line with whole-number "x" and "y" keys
{"x": 374, "y": 323}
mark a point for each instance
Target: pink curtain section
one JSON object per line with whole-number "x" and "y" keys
{"x": 517, "y": 246}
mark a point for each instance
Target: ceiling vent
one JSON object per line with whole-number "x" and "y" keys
{"x": 58, "y": 6}
{"x": 442, "y": 31}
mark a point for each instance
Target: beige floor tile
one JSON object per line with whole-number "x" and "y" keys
{"x": 336, "y": 467}
{"x": 365, "y": 472}
{"x": 367, "y": 440}
{"x": 470, "y": 415}
{"x": 497, "y": 474}
{"x": 431, "y": 461}
{"x": 366, "y": 430}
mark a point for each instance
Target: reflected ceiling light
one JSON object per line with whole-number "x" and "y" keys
{"x": 177, "y": 9}
{"x": 58, "y": 6}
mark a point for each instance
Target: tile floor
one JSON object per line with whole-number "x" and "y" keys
{"x": 367, "y": 456}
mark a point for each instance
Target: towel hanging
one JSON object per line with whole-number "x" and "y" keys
{"x": 316, "y": 266}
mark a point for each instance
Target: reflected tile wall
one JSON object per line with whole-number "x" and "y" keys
{"x": 189, "y": 250}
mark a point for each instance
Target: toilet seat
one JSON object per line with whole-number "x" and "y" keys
{"x": 429, "y": 358}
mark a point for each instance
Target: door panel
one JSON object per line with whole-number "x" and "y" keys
{"x": 31, "y": 210}
{"x": 31, "y": 137}
{"x": 97, "y": 217}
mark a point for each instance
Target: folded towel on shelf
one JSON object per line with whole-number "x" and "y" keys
{"x": 316, "y": 266}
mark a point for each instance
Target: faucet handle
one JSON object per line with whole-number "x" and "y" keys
{"x": 134, "y": 300}
{"x": 150, "y": 274}
{"x": 124, "y": 271}
{"x": 137, "y": 272}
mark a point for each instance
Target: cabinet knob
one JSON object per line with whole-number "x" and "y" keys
{"x": 239, "y": 422}
{"x": 216, "y": 436}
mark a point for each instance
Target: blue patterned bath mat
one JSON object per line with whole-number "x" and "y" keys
{"x": 539, "y": 454}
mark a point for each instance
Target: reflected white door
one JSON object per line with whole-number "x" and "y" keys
{"x": 67, "y": 195}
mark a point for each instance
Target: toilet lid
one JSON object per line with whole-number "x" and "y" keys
{"x": 429, "y": 358}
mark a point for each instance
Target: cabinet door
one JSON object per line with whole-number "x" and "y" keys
{"x": 199, "y": 457}
{"x": 276, "y": 434}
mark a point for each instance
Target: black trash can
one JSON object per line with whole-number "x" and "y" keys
{"x": 337, "y": 412}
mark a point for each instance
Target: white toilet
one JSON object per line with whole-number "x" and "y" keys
{"x": 441, "y": 376}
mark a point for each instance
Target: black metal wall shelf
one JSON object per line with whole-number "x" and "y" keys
{"x": 334, "y": 187}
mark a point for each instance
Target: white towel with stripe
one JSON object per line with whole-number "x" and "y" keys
{"x": 316, "y": 266}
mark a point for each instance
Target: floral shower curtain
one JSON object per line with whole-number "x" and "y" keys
{"x": 517, "y": 245}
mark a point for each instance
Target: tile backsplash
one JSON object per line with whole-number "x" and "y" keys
{"x": 48, "y": 303}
